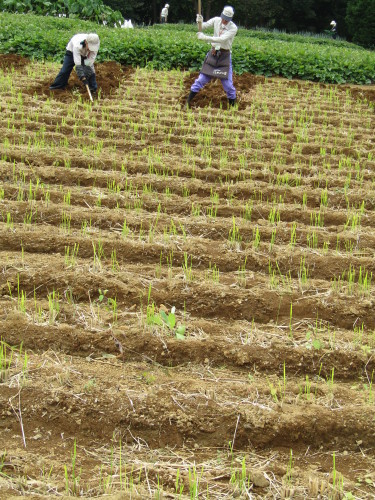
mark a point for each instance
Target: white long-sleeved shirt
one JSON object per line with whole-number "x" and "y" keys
{"x": 78, "y": 50}
{"x": 164, "y": 12}
{"x": 223, "y": 33}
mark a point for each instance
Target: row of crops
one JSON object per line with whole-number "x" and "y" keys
{"x": 170, "y": 47}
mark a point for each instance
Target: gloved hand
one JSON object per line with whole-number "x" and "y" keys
{"x": 88, "y": 71}
{"x": 199, "y": 18}
{"x": 201, "y": 36}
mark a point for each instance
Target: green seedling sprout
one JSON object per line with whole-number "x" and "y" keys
{"x": 112, "y": 305}
{"x": 179, "y": 485}
{"x": 114, "y": 264}
{"x": 72, "y": 482}
{"x": 289, "y": 470}
{"x": 303, "y": 271}
{"x": 213, "y": 273}
{"x": 98, "y": 253}
{"x": 256, "y": 238}
{"x": 187, "y": 268}
{"x": 53, "y": 306}
{"x": 234, "y": 234}
{"x": 65, "y": 222}
{"x": 337, "y": 478}
{"x": 71, "y": 255}
{"x": 307, "y": 388}
{"x": 21, "y": 297}
{"x": 247, "y": 211}
{"x": 273, "y": 238}
{"x": 293, "y": 235}
{"x": 6, "y": 356}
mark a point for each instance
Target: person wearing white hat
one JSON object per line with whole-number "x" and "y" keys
{"x": 218, "y": 61}
{"x": 81, "y": 52}
{"x": 164, "y": 14}
{"x": 333, "y": 29}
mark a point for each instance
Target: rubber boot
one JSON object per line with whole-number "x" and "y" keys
{"x": 232, "y": 102}
{"x": 190, "y": 98}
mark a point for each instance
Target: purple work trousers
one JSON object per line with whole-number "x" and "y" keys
{"x": 227, "y": 83}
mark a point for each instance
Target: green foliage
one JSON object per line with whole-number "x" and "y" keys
{"x": 360, "y": 19}
{"x": 95, "y": 10}
{"x": 163, "y": 319}
{"x": 176, "y": 46}
{"x": 170, "y": 320}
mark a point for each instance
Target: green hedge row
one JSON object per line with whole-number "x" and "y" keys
{"x": 176, "y": 46}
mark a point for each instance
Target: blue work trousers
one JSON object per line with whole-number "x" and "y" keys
{"x": 61, "y": 80}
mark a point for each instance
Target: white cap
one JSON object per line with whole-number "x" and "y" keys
{"x": 93, "y": 42}
{"x": 167, "y": 6}
{"x": 333, "y": 23}
{"x": 227, "y": 13}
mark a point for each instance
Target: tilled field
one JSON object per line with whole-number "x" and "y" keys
{"x": 186, "y": 296}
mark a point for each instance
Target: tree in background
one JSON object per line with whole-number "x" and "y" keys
{"x": 360, "y": 19}
{"x": 297, "y": 15}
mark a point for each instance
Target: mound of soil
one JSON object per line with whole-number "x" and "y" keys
{"x": 213, "y": 94}
{"x": 9, "y": 61}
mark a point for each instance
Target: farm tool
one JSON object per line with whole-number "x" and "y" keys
{"x": 89, "y": 93}
{"x": 200, "y": 13}
{"x": 199, "y": 21}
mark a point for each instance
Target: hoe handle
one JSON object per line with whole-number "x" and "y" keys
{"x": 200, "y": 13}
{"x": 89, "y": 93}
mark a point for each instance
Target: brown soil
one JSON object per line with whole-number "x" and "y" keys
{"x": 10, "y": 62}
{"x": 250, "y": 222}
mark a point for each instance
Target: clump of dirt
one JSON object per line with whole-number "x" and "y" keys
{"x": 9, "y": 61}
{"x": 110, "y": 74}
{"x": 213, "y": 93}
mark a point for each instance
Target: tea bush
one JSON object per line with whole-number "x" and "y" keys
{"x": 176, "y": 46}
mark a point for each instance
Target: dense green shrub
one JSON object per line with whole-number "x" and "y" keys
{"x": 94, "y": 10}
{"x": 176, "y": 46}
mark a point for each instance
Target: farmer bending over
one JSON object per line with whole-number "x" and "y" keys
{"x": 218, "y": 61}
{"x": 81, "y": 52}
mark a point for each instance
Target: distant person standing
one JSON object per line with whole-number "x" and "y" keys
{"x": 81, "y": 52}
{"x": 164, "y": 14}
{"x": 334, "y": 29}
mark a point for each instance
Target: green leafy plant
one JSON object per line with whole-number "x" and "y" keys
{"x": 170, "y": 321}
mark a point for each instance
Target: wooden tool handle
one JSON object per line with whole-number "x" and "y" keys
{"x": 200, "y": 13}
{"x": 89, "y": 93}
